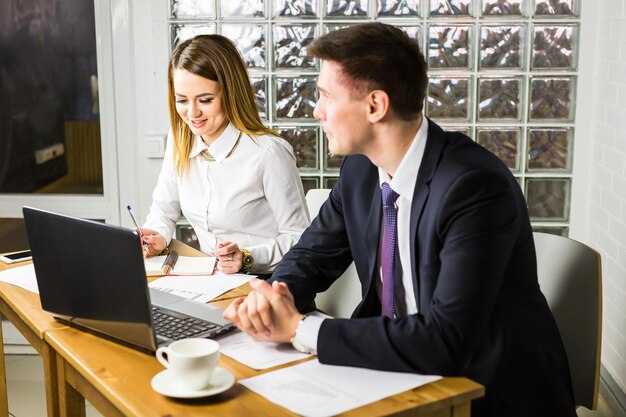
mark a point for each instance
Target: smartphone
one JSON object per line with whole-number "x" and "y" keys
{"x": 10, "y": 258}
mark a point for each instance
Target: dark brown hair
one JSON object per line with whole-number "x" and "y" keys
{"x": 381, "y": 56}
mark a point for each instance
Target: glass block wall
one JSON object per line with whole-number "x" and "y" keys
{"x": 502, "y": 71}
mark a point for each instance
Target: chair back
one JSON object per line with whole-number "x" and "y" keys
{"x": 570, "y": 277}
{"x": 344, "y": 295}
{"x": 314, "y": 200}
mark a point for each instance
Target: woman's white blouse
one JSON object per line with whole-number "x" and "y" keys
{"x": 251, "y": 196}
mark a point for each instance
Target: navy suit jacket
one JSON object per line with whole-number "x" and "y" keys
{"x": 480, "y": 311}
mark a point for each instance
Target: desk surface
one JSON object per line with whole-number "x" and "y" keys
{"x": 26, "y": 306}
{"x": 91, "y": 362}
{"x": 116, "y": 379}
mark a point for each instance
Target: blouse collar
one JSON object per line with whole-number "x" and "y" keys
{"x": 221, "y": 147}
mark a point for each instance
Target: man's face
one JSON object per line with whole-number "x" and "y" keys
{"x": 342, "y": 113}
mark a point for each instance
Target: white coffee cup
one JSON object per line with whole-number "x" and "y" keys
{"x": 192, "y": 361}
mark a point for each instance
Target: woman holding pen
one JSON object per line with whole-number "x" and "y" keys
{"x": 234, "y": 180}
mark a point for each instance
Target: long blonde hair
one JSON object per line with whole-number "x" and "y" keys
{"x": 216, "y": 58}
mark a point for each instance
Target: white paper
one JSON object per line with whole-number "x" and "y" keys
{"x": 315, "y": 390}
{"x": 201, "y": 288}
{"x": 194, "y": 265}
{"x": 154, "y": 263}
{"x": 258, "y": 355}
{"x": 22, "y": 276}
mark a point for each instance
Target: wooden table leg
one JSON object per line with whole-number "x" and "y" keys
{"x": 71, "y": 402}
{"x": 51, "y": 379}
{"x": 462, "y": 410}
{"x": 4, "y": 402}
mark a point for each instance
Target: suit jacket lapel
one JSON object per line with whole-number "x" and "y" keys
{"x": 434, "y": 146}
{"x": 435, "y": 143}
{"x": 372, "y": 231}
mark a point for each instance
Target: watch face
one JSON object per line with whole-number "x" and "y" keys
{"x": 247, "y": 260}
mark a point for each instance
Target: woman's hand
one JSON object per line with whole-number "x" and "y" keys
{"x": 229, "y": 256}
{"x": 156, "y": 242}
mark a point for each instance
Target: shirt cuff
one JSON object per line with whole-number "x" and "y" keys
{"x": 307, "y": 333}
{"x": 167, "y": 235}
{"x": 258, "y": 263}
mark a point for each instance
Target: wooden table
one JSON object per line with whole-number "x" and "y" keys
{"x": 23, "y": 309}
{"x": 116, "y": 379}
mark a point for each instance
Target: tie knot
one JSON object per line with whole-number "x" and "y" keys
{"x": 389, "y": 195}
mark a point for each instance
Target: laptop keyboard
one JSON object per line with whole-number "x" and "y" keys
{"x": 176, "y": 327}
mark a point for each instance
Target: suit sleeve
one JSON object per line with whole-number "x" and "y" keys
{"x": 473, "y": 225}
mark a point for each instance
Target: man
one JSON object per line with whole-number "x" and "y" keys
{"x": 439, "y": 232}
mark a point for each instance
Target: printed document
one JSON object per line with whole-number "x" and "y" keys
{"x": 315, "y": 390}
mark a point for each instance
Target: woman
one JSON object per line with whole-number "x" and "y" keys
{"x": 235, "y": 180}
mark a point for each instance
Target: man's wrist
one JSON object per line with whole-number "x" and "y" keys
{"x": 297, "y": 346}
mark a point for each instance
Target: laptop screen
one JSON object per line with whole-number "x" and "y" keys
{"x": 89, "y": 273}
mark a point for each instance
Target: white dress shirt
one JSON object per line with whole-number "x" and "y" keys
{"x": 403, "y": 183}
{"x": 251, "y": 195}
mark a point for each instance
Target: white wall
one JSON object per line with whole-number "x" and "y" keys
{"x": 151, "y": 53}
{"x": 599, "y": 208}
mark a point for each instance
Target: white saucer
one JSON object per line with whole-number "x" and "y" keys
{"x": 165, "y": 383}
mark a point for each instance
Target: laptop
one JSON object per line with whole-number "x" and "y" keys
{"x": 92, "y": 276}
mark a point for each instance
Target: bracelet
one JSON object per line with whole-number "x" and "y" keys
{"x": 297, "y": 346}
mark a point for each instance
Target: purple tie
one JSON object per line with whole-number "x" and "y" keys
{"x": 388, "y": 250}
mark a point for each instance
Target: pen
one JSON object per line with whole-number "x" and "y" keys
{"x": 132, "y": 216}
{"x": 217, "y": 259}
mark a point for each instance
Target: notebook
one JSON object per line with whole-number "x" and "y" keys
{"x": 175, "y": 264}
{"x": 91, "y": 276}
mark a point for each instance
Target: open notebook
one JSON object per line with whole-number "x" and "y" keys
{"x": 175, "y": 264}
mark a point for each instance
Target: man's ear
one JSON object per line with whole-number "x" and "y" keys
{"x": 378, "y": 105}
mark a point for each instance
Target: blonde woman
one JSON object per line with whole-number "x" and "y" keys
{"x": 234, "y": 180}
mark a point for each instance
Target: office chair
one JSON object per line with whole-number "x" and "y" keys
{"x": 570, "y": 276}
{"x": 344, "y": 295}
